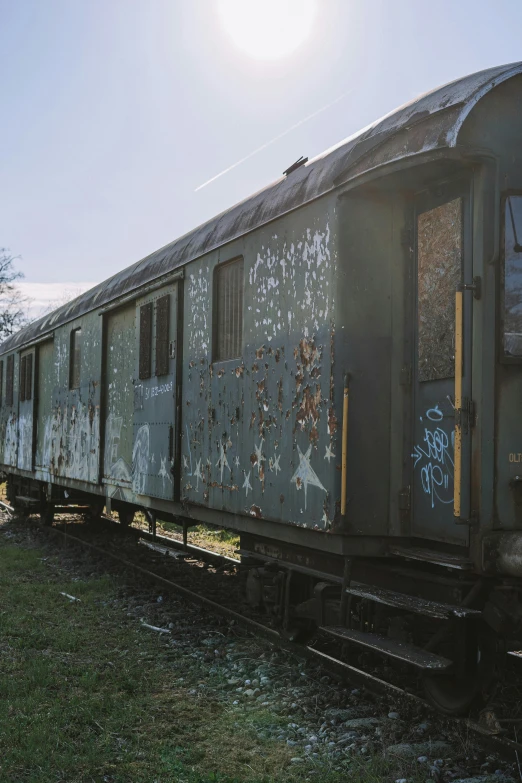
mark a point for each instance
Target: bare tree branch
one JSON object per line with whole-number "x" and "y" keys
{"x": 13, "y": 304}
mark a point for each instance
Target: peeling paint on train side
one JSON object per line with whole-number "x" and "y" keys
{"x": 245, "y": 419}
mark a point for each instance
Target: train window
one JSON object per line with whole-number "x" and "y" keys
{"x": 26, "y": 377}
{"x": 512, "y": 327}
{"x": 9, "y": 380}
{"x": 228, "y": 309}
{"x": 22, "y": 378}
{"x": 1, "y": 382}
{"x": 29, "y": 376}
{"x": 145, "y": 360}
{"x": 439, "y": 273}
{"x": 75, "y": 360}
{"x": 162, "y": 334}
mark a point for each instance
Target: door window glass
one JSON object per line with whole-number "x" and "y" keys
{"x": 439, "y": 263}
{"x": 513, "y": 276}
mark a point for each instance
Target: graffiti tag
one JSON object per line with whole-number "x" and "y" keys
{"x": 435, "y": 459}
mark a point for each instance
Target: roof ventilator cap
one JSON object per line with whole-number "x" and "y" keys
{"x": 300, "y": 162}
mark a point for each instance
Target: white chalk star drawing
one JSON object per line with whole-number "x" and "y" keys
{"x": 236, "y": 461}
{"x": 246, "y": 484}
{"x": 198, "y": 474}
{"x": 329, "y": 454}
{"x": 274, "y": 464}
{"x": 222, "y": 462}
{"x": 305, "y": 474}
{"x": 185, "y": 463}
{"x": 259, "y": 454}
{"x": 163, "y": 473}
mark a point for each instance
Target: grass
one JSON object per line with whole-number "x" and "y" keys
{"x": 225, "y": 542}
{"x": 87, "y": 694}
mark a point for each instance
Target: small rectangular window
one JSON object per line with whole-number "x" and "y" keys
{"x": 145, "y": 360}
{"x": 228, "y": 304}
{"x": 162, "y": 334}
{"x": 9, "y": 380}
{"x": 22, "y": 378}
{"x": 75, "y": 359}
{"x": 29, "y": 376}
{"x": 1, "y": 382}
{"x": 439, "y": 274}
{"x": 513, "y": 276}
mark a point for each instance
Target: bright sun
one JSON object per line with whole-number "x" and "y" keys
{"x": 267, "y": 29}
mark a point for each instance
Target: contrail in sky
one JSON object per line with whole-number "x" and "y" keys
{"x": 272, "y": 141}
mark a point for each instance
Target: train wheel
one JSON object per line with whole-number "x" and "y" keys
{"x": 474, "y": 678}
{"x": 126, "y": 515}
{"x": 95, "y": 511}
{"x": 47, "y": 514}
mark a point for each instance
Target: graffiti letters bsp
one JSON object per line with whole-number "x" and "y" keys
{"x": 435, "y": 458}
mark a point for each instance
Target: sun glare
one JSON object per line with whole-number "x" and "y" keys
{"x": 267, "y": 29}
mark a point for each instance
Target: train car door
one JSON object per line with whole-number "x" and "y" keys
{"x": 441, "y": 478}
{"x": 26, "y": 410}
{"x": 155, "y": 394}
{"x": 120, "y": 362}
{"x": 44, "y": 392}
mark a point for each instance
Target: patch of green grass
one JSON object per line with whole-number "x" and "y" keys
{"x": 87, "y": 694}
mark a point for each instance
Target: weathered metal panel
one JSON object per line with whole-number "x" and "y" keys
{"x": 9, "y": 414}
{"x": 495, "y": 123}
{"x": 120, "y": 371}
{"x": 260, "y": 432}
{"x": 154, "y": 401}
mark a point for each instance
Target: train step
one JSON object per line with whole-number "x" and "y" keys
{"x": 432, "y": 556}
{"x": 392, "y": 648}
{"x": 411, "y": 603}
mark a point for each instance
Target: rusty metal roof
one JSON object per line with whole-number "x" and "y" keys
{"x": 432, "y": 121}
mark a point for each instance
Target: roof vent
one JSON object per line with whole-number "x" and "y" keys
{"x": 300, "y": 162}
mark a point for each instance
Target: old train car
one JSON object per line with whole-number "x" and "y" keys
{"x": 333, "y": 368}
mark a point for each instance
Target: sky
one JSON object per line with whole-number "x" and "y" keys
{"x": 115, "y": 112}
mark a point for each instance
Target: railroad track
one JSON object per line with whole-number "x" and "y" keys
{"x": 507, "y": 747}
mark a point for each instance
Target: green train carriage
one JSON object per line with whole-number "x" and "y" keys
{"x": 333, "y": 368}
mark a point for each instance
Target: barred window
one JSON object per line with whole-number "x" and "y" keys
{"x": 29, "y": 376}
{"x": 26, "y": 377}
{"x": 75, "y": 359}
{"x": 9, "y": 380}
{"x": 22, "y": 379}
{"x": 145, "y": 360}
{"x": 228, "y": 307}
{"x": 162, "y": 334}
